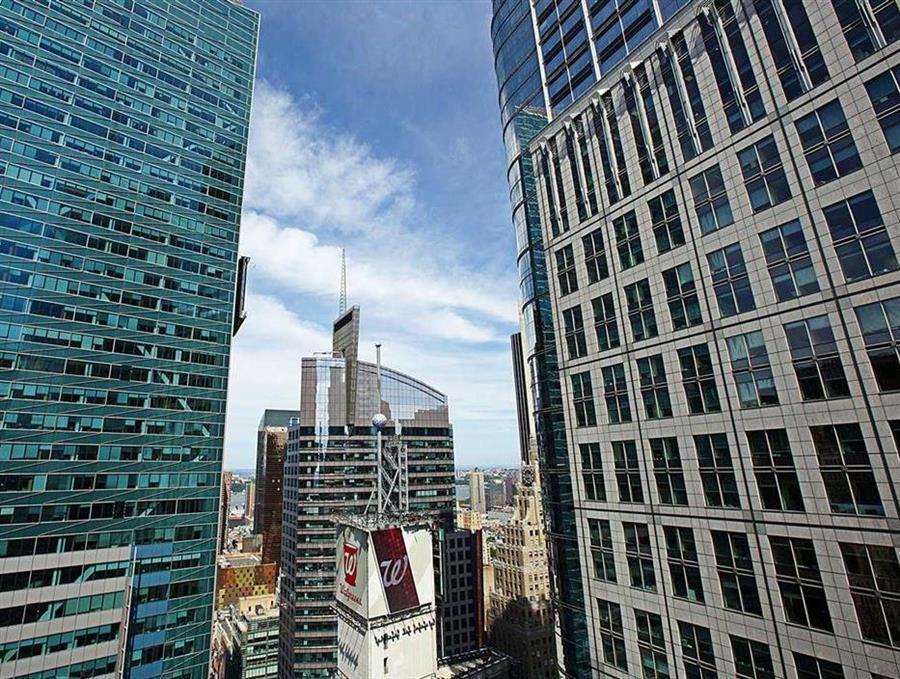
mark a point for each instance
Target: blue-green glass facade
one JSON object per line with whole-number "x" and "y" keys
{"x": 123, "y": 130}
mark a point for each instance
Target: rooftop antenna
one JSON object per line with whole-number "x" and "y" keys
{"x": 342, "y": 304}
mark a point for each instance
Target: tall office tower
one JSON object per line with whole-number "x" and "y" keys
{"x": 477, "y": 492}
{"x": 721, "y": 217}
{"x": 520, "y": 612}
{"x": 123, "y": 131}
{"x": 271, "y": 450}
{"x": 224, "y": 509}
{"x": 330, "y": 469}
{"x": 250, "y": 504}
{"x": 520, "y": 618}
{"x": 459, "y": 591}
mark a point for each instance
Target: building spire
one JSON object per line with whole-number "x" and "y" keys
{"x": 342, "y": 303}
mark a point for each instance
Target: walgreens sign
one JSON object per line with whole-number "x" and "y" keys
{"x": 395, "y": 570}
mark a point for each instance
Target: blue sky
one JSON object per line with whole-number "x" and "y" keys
{"x": 375, "y": 127}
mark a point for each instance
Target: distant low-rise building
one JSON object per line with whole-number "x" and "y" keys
{"x": 248, "y": 639}
{"x": 459, "y": 595}
{"x": 241, "y": 576}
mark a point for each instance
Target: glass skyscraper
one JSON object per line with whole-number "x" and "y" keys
{"x": 123, "y": 129}
{"x": 332, "y": 469}
{"x": 712, "y": 200}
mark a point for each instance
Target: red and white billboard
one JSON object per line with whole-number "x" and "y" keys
{"x": 396, "y": 570}
{"x": 383, "y": 572}
{"x": 352, "y": 568}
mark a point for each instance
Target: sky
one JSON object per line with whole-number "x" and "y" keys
{"x": 375, "y": 128}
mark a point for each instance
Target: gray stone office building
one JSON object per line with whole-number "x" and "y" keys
{"x": 720, "y": 221}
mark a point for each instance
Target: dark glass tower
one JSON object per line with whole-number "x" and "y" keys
{"x": 523, "y": 112}
{"x": 123, "y": 129}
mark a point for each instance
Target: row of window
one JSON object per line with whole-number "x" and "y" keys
{"x": 752, "y": 659}
{"x": 21, "y": 514}
{"x": 872, "y": 572}
{"x": 80, "y": 542}
{"x": 79, "y": 482}
{"x": 841, "y": 452}
{"x": 858, "y": 231}
{"x": 826, "y": 139}
{"x": 814, "y": 354}
{"x": 83, "y": 451}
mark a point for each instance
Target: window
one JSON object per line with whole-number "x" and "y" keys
{"x": 565, "y": 270}
{"x": 602, "y": 551}
{"x": 752, "y": 659}
{"x": 681, "y": 296}
{"x": 788, "y": 261}
{"x": 612, "y": 635}
{"x": 628, "y": 471}
{"x": 880, "y": 325}
{"x": 628, "y": 240}
{"x": 641, "y": 316}
{"x": 586, "y": 165}
{"x": 814, "y": 353}
{"x": 711, "y": 200}
{"x": 592, "y": 472}
{"x": 549, "y": 191}
{"x": 683, "y": 563}
{"x": 559, "y": 186}
{"x": 884, "y": 93}
{"x": 731, "y": 67}
{"x": 685, "y": 99}
{"x": 575, "y": 170}
{"x": 792, "y": 42}
{"x": 860, "y": 237}
{"x": 654, "y": 390}
{"x": 846, "y": 470}
{"x": 615, "y": 393}
{"x": 605, "y": 323}
{"x": 874, "y": 578}
{"x": 697, "y": 651}
{"x": 716, "y": 470}
{"x": 800, "y": 583}
{"x": 827, "y": 143}
{"x": 595, "y": 256}
{"x": 773, "y": 465}
{"x": 652, "y": 645}
{"x": 735, "y": 568}
{"x": 639, "y": 556}
{"x": 763, "y": 174}
{"x": 583, "y": 400}
{"x": 645, "y": 126}
{"x": 698, "y": 380}
{"x": 862, "y": 37}
{"x": 666, "y": 222}
{"x": 752, "y": 370}
{"x": 611, "y": 153}
{"x": 815, "y": 668}
{"x": 574, "y": 325}
{"x": 731, "y": 282}
{"x": 668, "y": 471}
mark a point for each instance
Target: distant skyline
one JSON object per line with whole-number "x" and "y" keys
{"x": 375, "y": 128}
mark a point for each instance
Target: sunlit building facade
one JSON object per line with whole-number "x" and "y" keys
{"x": 330, "y": 470}
{"x": 123, "y": 129}
{"x": 720, "y": 219}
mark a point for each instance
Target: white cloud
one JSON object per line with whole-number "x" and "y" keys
{"x": 298, "y": 167}
{"x": 310, "y": 190}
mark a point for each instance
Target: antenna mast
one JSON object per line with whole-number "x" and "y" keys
{"x": 342, "y": 304}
